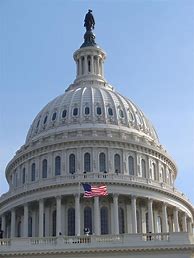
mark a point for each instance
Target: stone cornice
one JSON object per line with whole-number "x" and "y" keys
{"x": 74, "y": 182}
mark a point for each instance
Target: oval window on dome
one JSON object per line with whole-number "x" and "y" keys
{"x": 54, "y": 116}
{"x": 131, "y": 117}
{"x": 38, "y": 123}
{"x": 110, "y": 111}
{"x": 45, "y": 119}
{"x": 87, "y": 110}
{"x": 99, "y": 111}
{"x": 75, "y": 111}
{"x": 64, "y": 113}
{"x": 121, "y": 113}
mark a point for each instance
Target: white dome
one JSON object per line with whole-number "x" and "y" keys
{"x": 90, "y": 105}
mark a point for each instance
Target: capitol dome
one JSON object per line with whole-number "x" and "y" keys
{"x": 91, "y": 104}
{"x": 92, "y": 177}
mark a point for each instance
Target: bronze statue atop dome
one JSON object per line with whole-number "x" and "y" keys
{"x": 89, "y": 21}
{"x": 89, "y": 37}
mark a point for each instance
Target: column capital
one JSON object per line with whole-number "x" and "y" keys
{"x": 58, "y": 197}
{"x": 133, "y": 197}
{"x": 77, "y": 196}
{"x": 164, "y": 204}
{"x": 115, "y": 195}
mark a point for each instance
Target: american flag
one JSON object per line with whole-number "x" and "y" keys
{"x": 92, "y": 190}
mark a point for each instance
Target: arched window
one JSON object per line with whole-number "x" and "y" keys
{"x": 54, "y": 222}
{"x": 57, "y": 165}
{"x": 75, "y": 111}
{"x": 64, "y": 113}
{"x": 30, "y": 226}
{"x": 82, "y": 65}
{"x": 54, "y": 116}
{"x": 110, "y": 111}
{"x": 154, "y": 171}
{"x": 147, "y": 223}
{"x": 71, "y": 222}
{"x": 71, "y": 163}
{"x": 87, "y": 165}
{"x": 88, "y": 218}
{"x": 89, "y": 64}
{"x": 131, "y": 165}
{"x": 143, "y": 168}
{"x": 38, "y": 123}
{"x": 33, "y": 172}
{"x": 138, "y": 222}
{"x": 121, "y": 221}
{"x": 99, "y": 111}
{"x": 19, "y": 229}
{"x": 45, "y": 119}
{"x": 44, "y": 168}
{"x": 117, "y": 163}
{"x": 104, "y": 220}
{"x": 23, "y": 175}
{"x": 87, "y": 110}
{"x": 102, "y": 162}
{"x": 121, "y": 113}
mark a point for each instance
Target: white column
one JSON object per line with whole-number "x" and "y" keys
{"x": 3, "y": 225}
{"x": 176, "y": 220}
{"x": 41, "y": 217}
{"x": 77, "y": 215}
{"x": 102, "y": 67}
{"x": 97, "y": 66}
{"x": 12, "y": 223}
{"x": 77, "y": 65}
{"x": 25, "y": 220}
{"x": 96, "y": 216}
{"x": 184, "y": 221}
{"x": 150, "y": 216}
{"x": 156, "y": 229}
{"x": 134, "y": 214}
{"x": 164, "y": 219}
{"x": 190, "y": 229}
{"x": 58, "y": 227}
{"x": 47, "y": 221}
{"x": 129, "y": 224}
{"x": 116, "y": 215}
{"x": 85, "y": 65}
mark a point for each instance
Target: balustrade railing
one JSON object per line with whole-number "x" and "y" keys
{"x": 122, "y": 240}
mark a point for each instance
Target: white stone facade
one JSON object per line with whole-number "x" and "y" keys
{"x": 93, "y": 134}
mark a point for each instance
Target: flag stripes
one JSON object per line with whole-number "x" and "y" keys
{"x": 92, "y": 190}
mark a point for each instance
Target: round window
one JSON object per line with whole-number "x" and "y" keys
{"x": 54, "y": 116}
{"x": 121, "y": 113}
{"x": 64, "y": 113}
{"x": 75, "y": 111}
{"x": 110, "y": 112}
{"x": 87, "y": 110}
{"x": 45, "y": 119}
{"x": 99, "y": 111}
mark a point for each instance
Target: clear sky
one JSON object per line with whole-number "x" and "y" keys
{"x": 150, "y": 59}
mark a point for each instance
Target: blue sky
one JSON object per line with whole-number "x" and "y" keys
{"x": 150, "y": 59}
